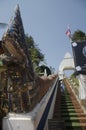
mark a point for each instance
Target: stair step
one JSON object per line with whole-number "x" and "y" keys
{"x": 80, "y": 118}
{"x": 72, "y": 110}
{"x": 79, "y": 110}
{"x": 64, "y": 106}
{"x": 69, "y": 111}
{"x": 83, "y": 125}
{"x": 70, "y": 107}
{"x": 69, "y": 114}
{"x": 53, "y": 124}
{"x": 67, "y": 104}
{"x": 66, "y": 101}
{"x": 73, "y": 126}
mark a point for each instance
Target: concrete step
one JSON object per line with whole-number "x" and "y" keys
{"x": 73, "y": 126}
{"x": 53, "y": 124}
{"x": 70, "y": 107}
{"x": 70, "y": 111}
{"x": 67, "y": 104}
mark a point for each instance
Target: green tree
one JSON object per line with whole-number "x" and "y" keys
{"x": 34, "y": 51}
{"x": 79, "y": 36}
{"x": 40, "y": 70}
{"x": 74, "y": 78}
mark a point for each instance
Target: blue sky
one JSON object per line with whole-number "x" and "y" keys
{"x": 46, "y": 21}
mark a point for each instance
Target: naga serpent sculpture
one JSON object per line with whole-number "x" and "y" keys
{"x": 20, "y": 86}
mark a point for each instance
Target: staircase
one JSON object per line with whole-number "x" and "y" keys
{"x": 68, "y": 114}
